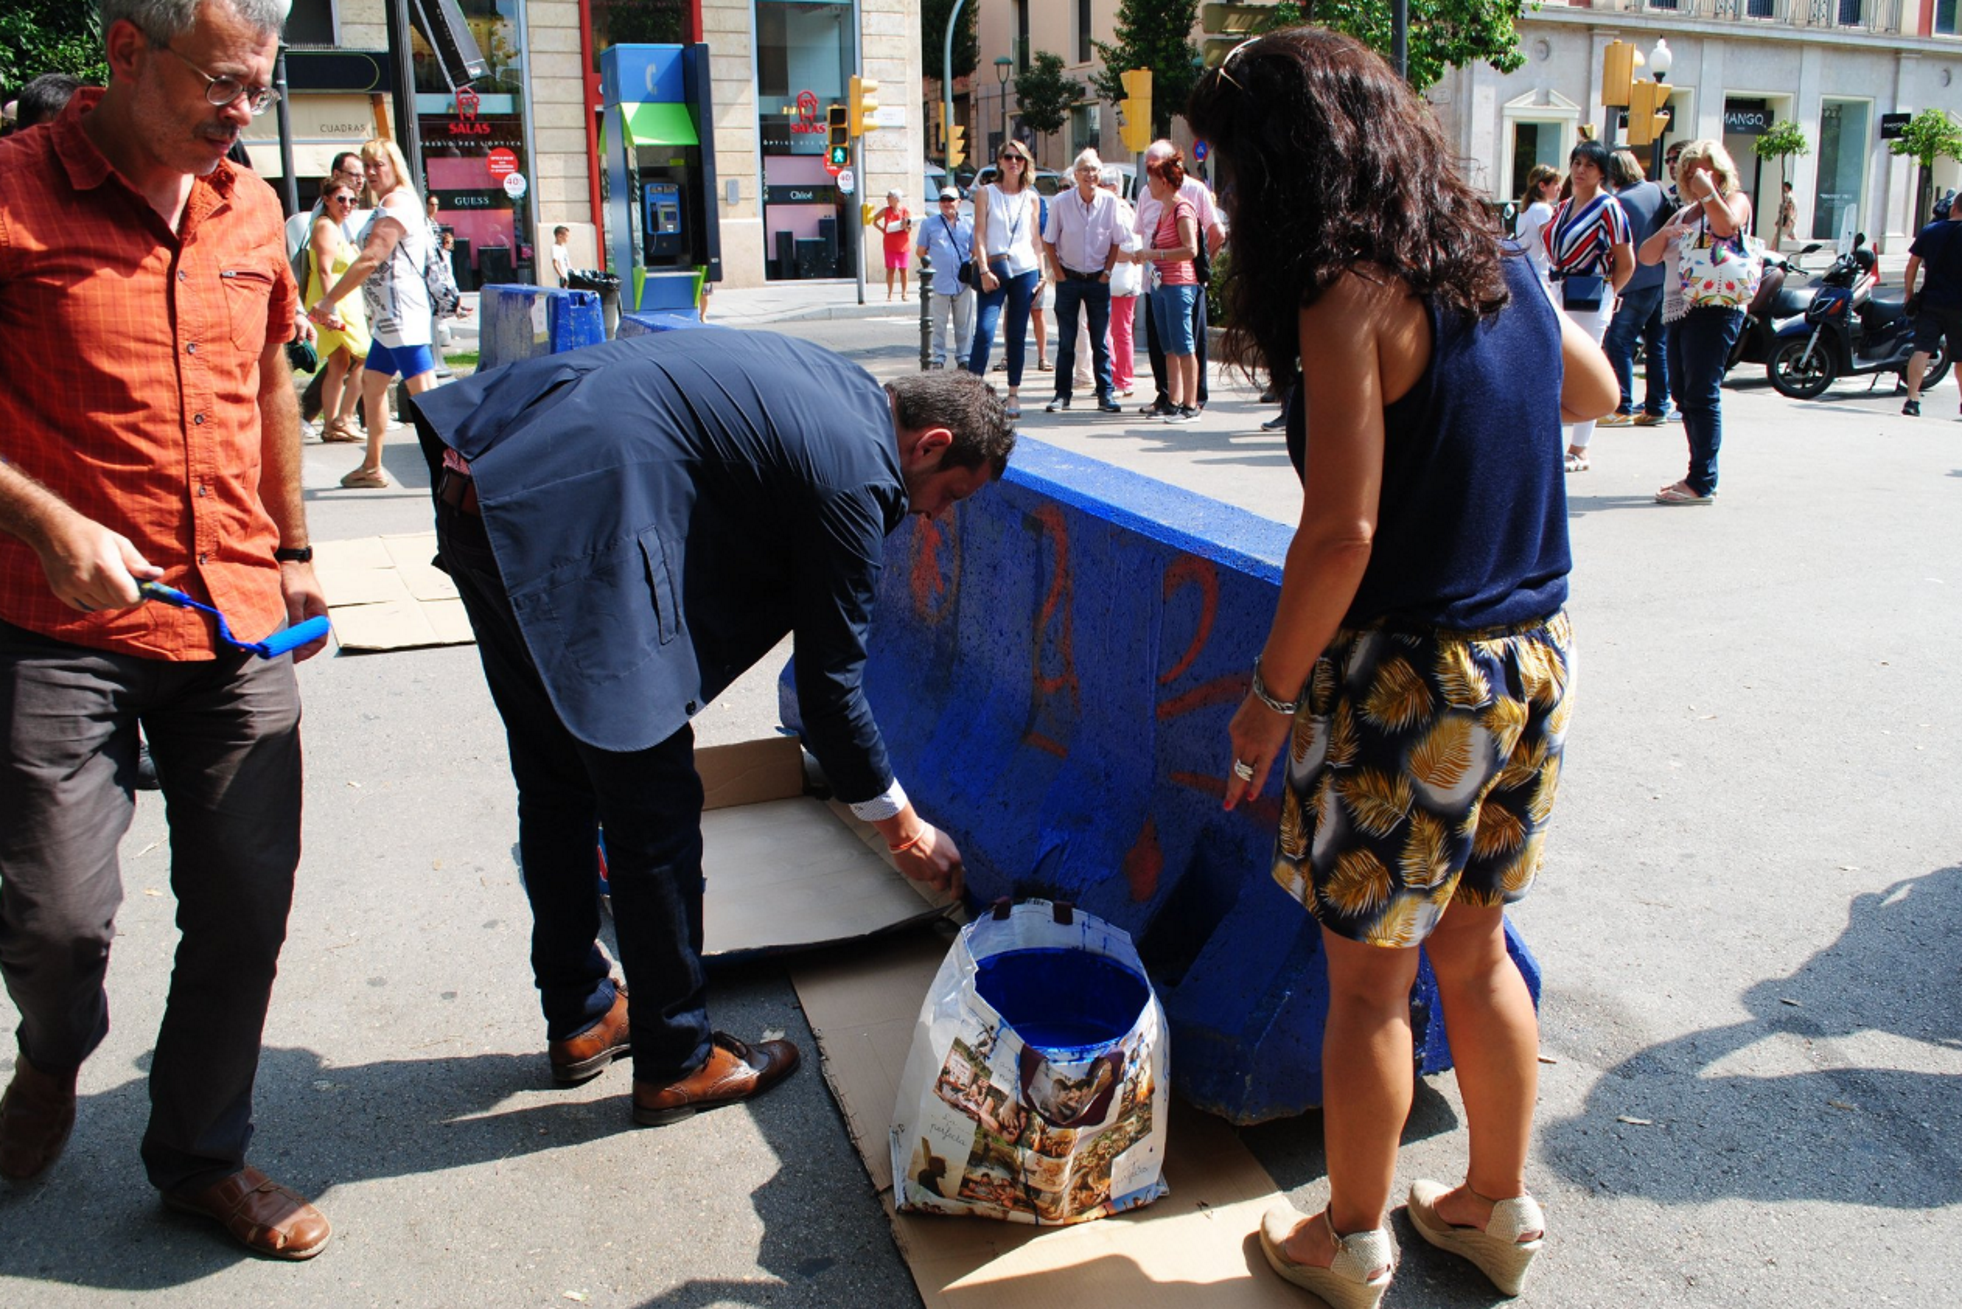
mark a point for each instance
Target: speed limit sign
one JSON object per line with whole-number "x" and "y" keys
{"x": 847, "y": 181}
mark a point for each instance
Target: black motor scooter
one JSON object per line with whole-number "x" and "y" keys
{"x": 1781, "y": 297}
{"x": 1850, "y": 327}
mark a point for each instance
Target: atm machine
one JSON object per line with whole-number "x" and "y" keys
{"x": 663, "y": 236}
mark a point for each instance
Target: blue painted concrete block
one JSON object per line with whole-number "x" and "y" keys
{"x": 1054, "y": 667}
{"x": 512, "y": 327}
{"x": 642, "y": 323}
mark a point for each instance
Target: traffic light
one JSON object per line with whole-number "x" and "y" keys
{"x": 864, "y": 101}
{"x": 956, "y": 145}
{"x": 1648, "y": 112}
{"x": 1618, "y": 62}
{"x": 1136, "y": 110}
{"x": 838, "y": 128}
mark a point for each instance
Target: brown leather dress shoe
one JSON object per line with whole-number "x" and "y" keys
{"x": 587, "y": 1054}
{"x": 36, "y": 1115}
{"x": 735, "y": 1071}
{"x": 261, "y": 1215}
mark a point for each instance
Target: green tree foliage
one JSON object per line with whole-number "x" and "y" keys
{"x": 1781, "y": 141}
{"x": 933, "y": 37}
{"x": 1154, "y": 34}
{"x": 1043, "y": 96}
{"x": 50, "y": 36}
{"x": 1444, "y": 34}
{"x": 1929, "y": 135}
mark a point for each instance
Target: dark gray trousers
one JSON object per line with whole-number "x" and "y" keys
{"x": 225, "y": 734}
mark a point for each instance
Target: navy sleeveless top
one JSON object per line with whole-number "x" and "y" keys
{"x": 1471, "y": 530}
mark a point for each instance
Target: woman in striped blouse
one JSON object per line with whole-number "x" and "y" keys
{"x": 1590, "y": 258}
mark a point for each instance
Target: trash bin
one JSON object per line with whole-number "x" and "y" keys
{"x": 608, "y": 286}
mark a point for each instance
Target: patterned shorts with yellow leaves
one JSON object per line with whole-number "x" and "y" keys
{"x": 1422, "y": 770}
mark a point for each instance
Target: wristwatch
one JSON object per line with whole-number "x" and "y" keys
{"x": 303, "y": 555}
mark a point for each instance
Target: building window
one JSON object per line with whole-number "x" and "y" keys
{"x": 1083, "y": 129}
{"x": 1759, "y": 9}
{"x": 1021, "y": 36}
{"x": 1535, "y": 143}
{"x": 312, "y": 23}
{"x": 1843, "y": 131}
{"x": 1083, "y": 27}
{"x": 1945, "y": 17}
{"x": 1849, "y": 13}
{"x": 638, "y": 22}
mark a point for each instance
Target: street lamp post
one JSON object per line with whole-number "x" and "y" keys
{"x": 1003, "y": 65}
{"x": 1660, "y": 62}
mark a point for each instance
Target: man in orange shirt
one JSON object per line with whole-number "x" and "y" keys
{"x": 144, "y": 301}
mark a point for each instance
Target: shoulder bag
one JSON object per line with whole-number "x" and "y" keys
{"x": 1720, "y": 272}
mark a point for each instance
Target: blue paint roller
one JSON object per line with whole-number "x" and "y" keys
{"x": 279, "y": 643}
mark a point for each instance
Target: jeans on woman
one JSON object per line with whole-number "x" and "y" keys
{"x": 1016, "y": 293}
{"x": 1699, "y": 343}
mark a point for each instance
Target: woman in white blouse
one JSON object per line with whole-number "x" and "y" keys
{"x": 1535, "y": 211}
{"x": 1005, "y": 229}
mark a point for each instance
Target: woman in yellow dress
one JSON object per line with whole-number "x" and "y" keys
{"x": 344, "y": 348}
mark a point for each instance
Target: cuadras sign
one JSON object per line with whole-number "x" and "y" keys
{"x": 1746, "y": 118}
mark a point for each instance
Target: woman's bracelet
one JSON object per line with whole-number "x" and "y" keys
{"x": 909, "y": 842}
{"x": 1267, "y": 698}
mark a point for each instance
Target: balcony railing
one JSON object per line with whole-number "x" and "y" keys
{"x": 1878, "y": 16}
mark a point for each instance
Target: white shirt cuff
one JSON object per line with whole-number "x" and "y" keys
{"x": 884, "y": 805}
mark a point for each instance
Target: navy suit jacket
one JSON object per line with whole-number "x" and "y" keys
{"x": 664, "y": 509}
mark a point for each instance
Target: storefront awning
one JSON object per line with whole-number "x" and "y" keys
{"x": 659, "y": 124}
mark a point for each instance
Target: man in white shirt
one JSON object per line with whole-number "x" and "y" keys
{"x": 947, "y": 240}
{"x": 1149, "y": 213}
{"x": 1082, "y": 240}
{"x": 561, "y": 255}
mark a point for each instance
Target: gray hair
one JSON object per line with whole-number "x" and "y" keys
{"x": 166, "y": 20}
{"x": 1087, "y": 156}
{"x": 1160, "y": 149}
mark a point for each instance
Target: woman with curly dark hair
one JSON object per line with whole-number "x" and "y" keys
{"x": 1412, "y": 689}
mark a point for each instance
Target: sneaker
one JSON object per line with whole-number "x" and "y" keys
{"x": 1912, "y": 409}
{"x": 1183, "y": 414}
{"x": 1057, "y": 406}
{"x": 1616, "y": 420}
{"x": 1109, "y": 406}
{"x": 1278, "y": 423}
{"x": 1156, "y": 409}
{"x": 1647, "y": 419}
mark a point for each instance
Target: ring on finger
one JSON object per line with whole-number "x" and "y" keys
{"x": 1243, "y": 770}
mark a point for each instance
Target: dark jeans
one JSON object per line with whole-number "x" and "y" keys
{"x": 1639, "y": 318}
{"x": 1092, "y": 297}
{"x": 1699, "y": 343}
{"x": 650, "y": 802}
{"x": 225, "y": 734}
{"x": 1157, "y": 351}
{"x": 1016, "y": 293}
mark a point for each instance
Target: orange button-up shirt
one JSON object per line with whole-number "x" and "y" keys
{"x": 131, "y": 357}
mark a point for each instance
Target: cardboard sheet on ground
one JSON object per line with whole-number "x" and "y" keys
{"x": 384, "y": 594}
{"x": 786, "y": 871}
{"x": 1196, "y": 1241}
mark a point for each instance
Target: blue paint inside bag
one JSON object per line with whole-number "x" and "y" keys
{"x": 1067, "y": 1004}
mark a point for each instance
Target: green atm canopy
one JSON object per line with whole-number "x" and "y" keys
{"x": 658, "y": 124}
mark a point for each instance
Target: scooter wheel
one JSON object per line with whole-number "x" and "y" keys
{"x": 1806, "y": 381}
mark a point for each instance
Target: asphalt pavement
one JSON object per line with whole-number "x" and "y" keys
{"x": 1753, "y": 1061}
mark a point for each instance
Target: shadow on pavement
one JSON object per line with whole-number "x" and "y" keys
{"x": 1859, "y": 1135}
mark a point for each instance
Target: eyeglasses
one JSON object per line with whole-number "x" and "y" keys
{"x": 1010, "y": 159}
{"x": 222, "y": 91}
